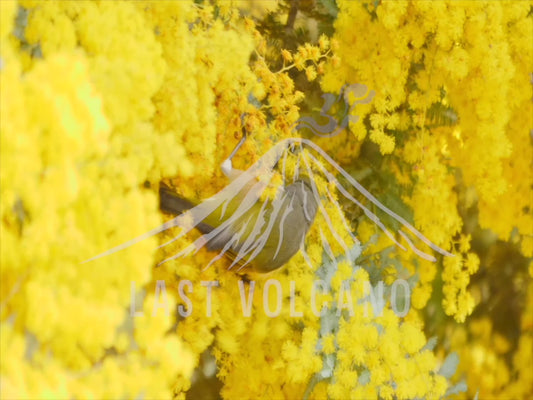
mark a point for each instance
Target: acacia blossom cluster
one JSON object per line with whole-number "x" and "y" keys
{"x": 101, "y": 100}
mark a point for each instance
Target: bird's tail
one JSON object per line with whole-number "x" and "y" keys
{"x": 171, "y": 203}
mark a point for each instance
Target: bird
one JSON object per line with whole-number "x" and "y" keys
{"x": 264, "y": 237}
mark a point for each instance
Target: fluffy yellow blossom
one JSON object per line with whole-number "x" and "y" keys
{"x": 451, "y": 135}
{"x": 102, "y": 100}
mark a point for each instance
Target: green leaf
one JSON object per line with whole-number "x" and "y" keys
{"x": 364, "y": 377}
{"x": 430, "y": 345}
{"x": 328, "y": 366}
{"x": 450, "y": 365}
{"x": 441, "y": 115}
{"x": 461, "y": 387}
{"x": 331, "y": 7}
